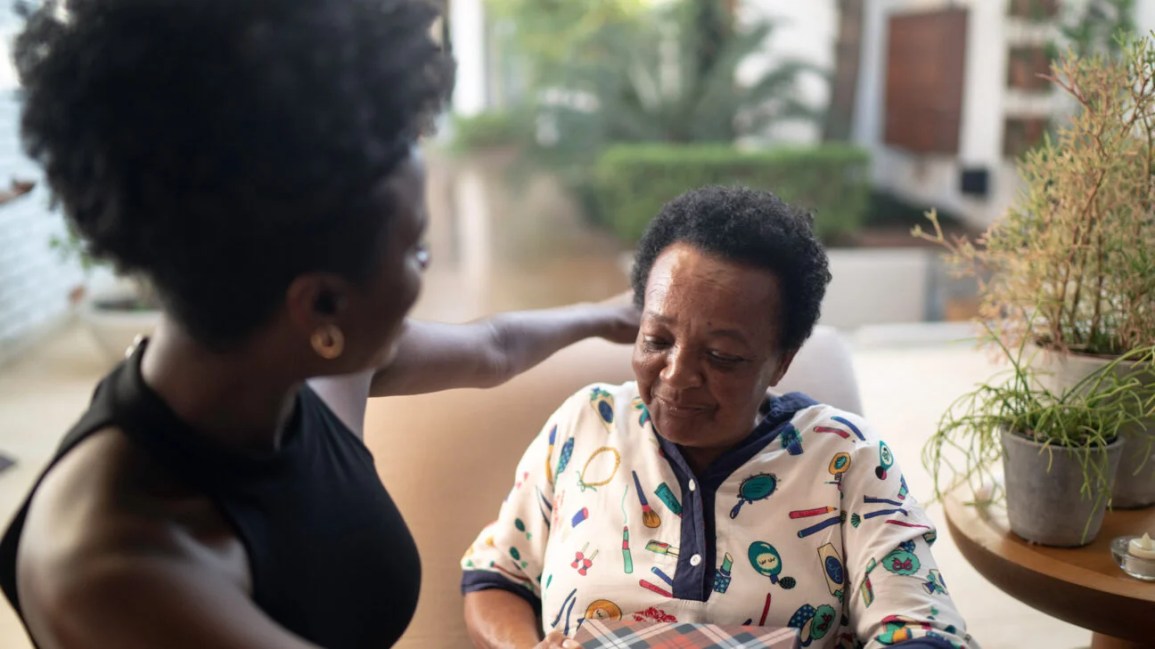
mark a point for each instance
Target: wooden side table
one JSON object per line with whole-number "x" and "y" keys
{"x": 1082, "y": 586}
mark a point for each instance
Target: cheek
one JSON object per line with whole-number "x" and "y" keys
{"x": 414, "y": 280}
{"x": 647, "y": 370}
{"x": 770, "y": 370}
{"x": 739, "y": 396}
{"x": 403, "y": 286}
{"x": 643, "y": 365}
{"x": 393, "y": 298}
{"x": 385, "y": 340}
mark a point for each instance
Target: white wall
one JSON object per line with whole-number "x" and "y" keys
{"x": 877, "y": 286}
{"x": 1144, "y": 16}
{"x": 34, "y": 282}
{"x": 933, "y": 180}
{"x": 805, "y": 31}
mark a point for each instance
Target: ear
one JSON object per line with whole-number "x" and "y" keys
{"x": 315, "y": 299}
{"x": 783, "y": 365}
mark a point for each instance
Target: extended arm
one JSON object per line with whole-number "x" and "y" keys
{"x": 488, "y": 352}
{"x": 433, "y": 356}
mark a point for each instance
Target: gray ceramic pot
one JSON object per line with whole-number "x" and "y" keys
{"x": 1135, "y": 484}
{"x": 1044, "y": 503}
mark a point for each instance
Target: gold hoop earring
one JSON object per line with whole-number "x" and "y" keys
{"x": 328, "y": 342}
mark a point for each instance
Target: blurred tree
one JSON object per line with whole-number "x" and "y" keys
{"x": 713, "y": 22}
{"x": 550, "y": 35}
{"x": 1095, "y": 29}
{"x": 612, "y": 71}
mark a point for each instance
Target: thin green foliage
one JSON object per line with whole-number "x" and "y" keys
{"x": 967, "y": 445}
{"x": 1072, "y": 263}
{"x": 1093, "y": 27}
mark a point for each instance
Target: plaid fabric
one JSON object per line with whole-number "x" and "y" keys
{"x": 597, "y": 634}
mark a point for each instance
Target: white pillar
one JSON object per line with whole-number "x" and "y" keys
{"x": 1144, "y": 16}
{"x": 467, "y": 32}
{"x": 981, "y": 127}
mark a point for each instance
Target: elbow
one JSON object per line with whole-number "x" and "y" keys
{"x": 498, "y": 618}
{"x": 478, "y": 621}
{"x": 498, "y": 359}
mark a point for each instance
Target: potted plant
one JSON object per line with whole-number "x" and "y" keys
{"x": 1059, "y": 452}
{"x": 1070, "y": 268}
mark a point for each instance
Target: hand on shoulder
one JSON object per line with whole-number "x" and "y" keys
{"x": 621, "y": 318}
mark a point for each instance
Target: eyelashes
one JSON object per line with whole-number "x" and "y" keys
{"x": 651, "y": 344}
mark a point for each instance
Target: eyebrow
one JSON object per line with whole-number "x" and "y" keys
{"x": 732, "y": 334}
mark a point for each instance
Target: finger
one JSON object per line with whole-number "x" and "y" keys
{"x": 557, "y": 640}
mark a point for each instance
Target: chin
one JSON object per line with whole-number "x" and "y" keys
{"x": 679, "y": 430}
{"x": 376, "y": 358}
{"x": 385, "y": 356}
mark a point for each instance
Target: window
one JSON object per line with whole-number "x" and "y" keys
{"x": 926, "y": 56}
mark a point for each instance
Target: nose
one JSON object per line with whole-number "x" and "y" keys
{"x": 682, "y": 370}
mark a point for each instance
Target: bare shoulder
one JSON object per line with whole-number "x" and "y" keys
{"x": 124, "y": 548}
{"x": 106, "y": 495}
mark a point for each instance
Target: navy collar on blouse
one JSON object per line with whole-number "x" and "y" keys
{"x": 694, "y": 578}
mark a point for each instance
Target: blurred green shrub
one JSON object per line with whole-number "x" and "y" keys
{"x": 489, "y": 130}
{"x": 632, "y": 182}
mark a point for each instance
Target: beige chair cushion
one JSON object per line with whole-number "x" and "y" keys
{"x": 448, "y": 458}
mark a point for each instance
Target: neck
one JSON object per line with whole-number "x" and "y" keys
{"x": 700, "y": 459}
{"x": 241, "y": 399}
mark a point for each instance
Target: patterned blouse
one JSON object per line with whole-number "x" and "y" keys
{"x": 807, "y": 523}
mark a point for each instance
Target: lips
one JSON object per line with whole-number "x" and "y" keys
{"x": 676, "y": 408}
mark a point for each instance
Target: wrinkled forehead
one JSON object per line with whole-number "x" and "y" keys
{"x": 684, "y": 276}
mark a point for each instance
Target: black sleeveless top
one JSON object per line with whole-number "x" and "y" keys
{"x": 330, "y": 556}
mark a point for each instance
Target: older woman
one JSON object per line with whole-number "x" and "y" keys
{"x": 693, "y": 495}
{"x": 256, "y": 160}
